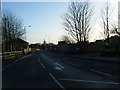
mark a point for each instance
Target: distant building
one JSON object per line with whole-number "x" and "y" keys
{"x": 20, "y": 44}
{"x": 61, "y": 46}
{"x": 102, "y": 45}
{"x": 16, "y": 45}
{"x": 83, "y": 47}
{"x": 96, "y": 47}
{"x": 62, "y": 43}
{"x": 114, "y": 42}
{"x": 71, "y": 48}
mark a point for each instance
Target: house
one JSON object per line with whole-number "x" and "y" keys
{"x": 114, "y": 42}
{"x": 96, "y": 47}
{"x": 20, "y": 44}
{"x": 16, "y": 45}
{"x": 75, "y": 48}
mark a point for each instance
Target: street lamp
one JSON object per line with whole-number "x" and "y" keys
{"x": 27, "y": 48}
{"x": 25, "y": 31}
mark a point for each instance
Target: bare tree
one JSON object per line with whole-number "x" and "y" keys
{"x": 12, "y": 29}
{"x": 77, "y": 20}
{"x": 105, "y": 14}
{"x": 114, "y": 29}
{"x": 67, "y": 39}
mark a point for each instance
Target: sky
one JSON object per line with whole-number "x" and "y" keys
{"x": 45, "y": 19}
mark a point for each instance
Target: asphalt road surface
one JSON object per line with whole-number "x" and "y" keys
{"x": 42, "y": 69}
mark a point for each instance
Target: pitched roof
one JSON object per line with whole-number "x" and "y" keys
{"x": 20, "y": 41}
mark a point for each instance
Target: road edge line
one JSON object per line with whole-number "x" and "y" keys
{"x": 13, "y": 62}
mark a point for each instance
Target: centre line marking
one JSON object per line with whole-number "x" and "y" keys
{"x": 87, "y": 81}
{"x": 38, "y": 60}
{"x": 56, "y": 81}
{"x": 43, "y": 65}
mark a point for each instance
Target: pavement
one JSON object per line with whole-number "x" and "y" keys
{"x": 96, "y": 56}
{"x": 100, "y": 58}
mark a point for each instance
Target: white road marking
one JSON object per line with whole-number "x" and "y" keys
{"x": 58, "y": 83}
{"x": 101, "y": 72}
{"x": 9, "y": 65}
{"x": 43, "y": 65}
{"x": 16, "y": 60}
{"x": 58, "y": 68}
{"x": 6, "y": 66}
{"x": 59, "y": 65}
{"x": 25, "y": 56}
{"x": 88, "y": 81}
{"x": 38, "y": 60}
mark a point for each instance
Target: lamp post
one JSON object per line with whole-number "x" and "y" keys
{"x": 25, "y": 31}
{"x": 27, "y": 48}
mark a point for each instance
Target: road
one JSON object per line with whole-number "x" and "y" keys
{"x": 43, "y": 69}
